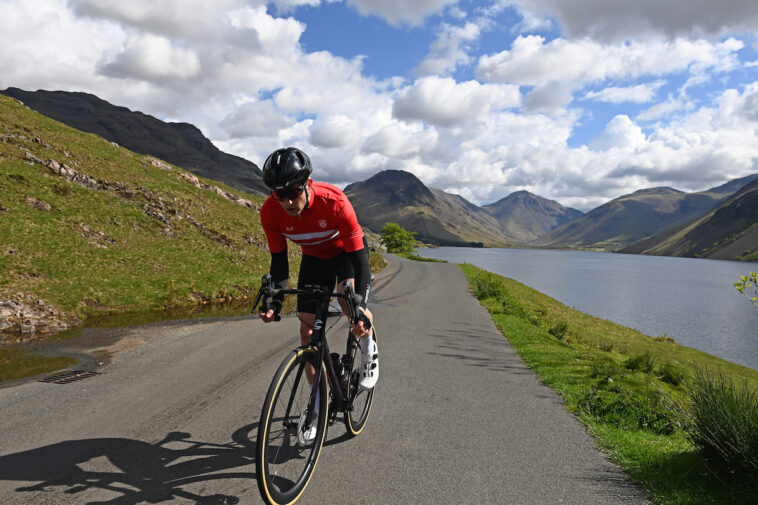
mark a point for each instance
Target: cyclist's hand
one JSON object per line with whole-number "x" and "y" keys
{"x": 359, "y": 330}
{"x": 267, "y": 316}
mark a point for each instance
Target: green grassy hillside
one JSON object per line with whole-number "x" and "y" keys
{"x": 89, "y": 227}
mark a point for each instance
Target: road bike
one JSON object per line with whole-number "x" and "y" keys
{"x": 298, "y": 397}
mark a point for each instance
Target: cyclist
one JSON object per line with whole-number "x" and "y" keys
{"x": 318, "y": 217}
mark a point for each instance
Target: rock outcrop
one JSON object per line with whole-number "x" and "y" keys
{"x": 24, "y": 318}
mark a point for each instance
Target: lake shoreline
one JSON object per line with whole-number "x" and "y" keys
{"x": 690, "y": 300}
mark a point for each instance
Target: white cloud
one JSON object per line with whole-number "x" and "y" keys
{"x": 153, "y": 58}
{"x": 665, "y": 109}
{"x": 335, "y": 131}
{"x": 442, "y": 101}
{"x": 534, "y": 61}
{"x": 623, "y": 20}
{"x": 241, "y": 75}
{"x": 401, "y": 140}
{"x": 641, "y": 93}
{"x": 560, "y": 67}
{"x": 256, "y": 119}
{"x": 173, "y": 18}
{"x": 449, "y": 49}
{"x": 621, "y": 133}
{"x": 397, "y": 12}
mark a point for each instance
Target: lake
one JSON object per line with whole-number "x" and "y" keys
{"x": 691, "y": 300}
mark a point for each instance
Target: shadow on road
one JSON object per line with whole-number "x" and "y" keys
{"x": 139, "y": 472}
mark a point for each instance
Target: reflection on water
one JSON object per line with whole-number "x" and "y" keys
{"x": 229, "y": 309}
{"x": 692, "y": 300}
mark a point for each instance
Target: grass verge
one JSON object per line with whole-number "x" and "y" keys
{"x": 626, "y": 387}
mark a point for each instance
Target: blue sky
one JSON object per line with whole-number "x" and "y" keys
{"x": 578, "y": 103}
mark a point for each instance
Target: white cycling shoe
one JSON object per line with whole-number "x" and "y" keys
{"x": 306, "y": 436}
{"x": 369, "y": 370}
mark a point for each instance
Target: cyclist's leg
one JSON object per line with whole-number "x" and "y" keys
{"x": 313, "y": 272}
{"x": 369, "y": 349}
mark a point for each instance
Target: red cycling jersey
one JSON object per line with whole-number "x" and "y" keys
{"x": 328, "y": 227}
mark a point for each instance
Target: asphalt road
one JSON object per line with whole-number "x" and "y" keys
{"x": 172, "y": 418}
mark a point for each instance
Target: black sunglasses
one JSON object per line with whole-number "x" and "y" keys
{"x": 287, "y": 193}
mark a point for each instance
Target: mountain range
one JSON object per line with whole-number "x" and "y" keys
{"x": 728, "y": 231}
{"x": 717, "y": 223}
{"x": 179, "y": 143}
{"x": 634, "y": 217}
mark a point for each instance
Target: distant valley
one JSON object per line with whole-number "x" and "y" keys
{"x": 717, "y": 223}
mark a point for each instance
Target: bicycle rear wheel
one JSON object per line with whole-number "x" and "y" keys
{"x": 355, "y": 418}
{"x": 283, "y": 467}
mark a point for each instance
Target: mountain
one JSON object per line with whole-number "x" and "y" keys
{"x": 88, "y": 227}
{"x": 438, "y": 217}
{"x": 631, "y": 218}
{"x": 730, "y": 231}
{"x": 526, "y": 217}
{"x": 179, "y": 143}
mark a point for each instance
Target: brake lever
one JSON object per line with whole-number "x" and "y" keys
{"x": 264, "y": 290}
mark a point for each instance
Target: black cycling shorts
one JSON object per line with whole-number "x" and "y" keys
{"x": 320, "y": 272}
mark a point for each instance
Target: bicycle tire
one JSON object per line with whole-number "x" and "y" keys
{"x": 282, "y": 467}
{"x": 355, "y": 419}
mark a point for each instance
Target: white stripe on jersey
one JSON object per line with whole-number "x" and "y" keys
{"x": 327, "y": 239}
{"x": 303, "y": 237}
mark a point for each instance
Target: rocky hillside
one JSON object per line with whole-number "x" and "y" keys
{"x": 179, "y": 143}
{"x": 631, "y": 218}
{"x": 90, "y": 227}
{"x": 438, "y": 217}
{"x": 730, "y": 231}
{"x": 525, "y": 217}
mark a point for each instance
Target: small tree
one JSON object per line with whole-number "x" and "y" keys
{"x": 745, "y": 284}
{"x": 397, "y": 239}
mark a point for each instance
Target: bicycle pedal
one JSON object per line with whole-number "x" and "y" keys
{"x": 332, "y": 417}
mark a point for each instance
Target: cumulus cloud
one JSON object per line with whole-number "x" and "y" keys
{"x": 397, "y": 12}
{"x": 238, "y": 71}
{"x": 532, "y": 60}
{"x": 621, "y": 133}
{"x": 449, "y": 49}
{"x": 175, "y": 18}
{"x": 559, "y": 67}
{"x": 256, "y": 119}
{"x": 153, "y": 58}
{"x": 401, "y": 140}
{"x": 640, "y": 93}
{"x": 335, "y": 131}
{"x": 444, "y": 102}
{"x": 664, "y": 109}
{"x": 621, "y": 20}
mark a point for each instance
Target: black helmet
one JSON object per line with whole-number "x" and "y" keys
{"x": 286, "y": 167}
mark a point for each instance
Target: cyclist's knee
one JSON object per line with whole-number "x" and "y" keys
{"x": 306, "y": 328}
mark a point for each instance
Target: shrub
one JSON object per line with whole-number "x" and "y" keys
{"x": 721, "y": 419}
{"x": 643, "y": 362}
{"x": 397, "y": 239}
{"x": 628, "y": 410}
{"x": 486, "y": 285}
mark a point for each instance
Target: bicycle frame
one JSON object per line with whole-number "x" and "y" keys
{"x": 341, "y": 399}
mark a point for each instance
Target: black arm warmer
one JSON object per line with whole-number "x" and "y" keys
{"x": 280, "y": 272}
{"x": 362, "y": 272}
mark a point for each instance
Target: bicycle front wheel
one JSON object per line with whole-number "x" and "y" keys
{"x": 284, "y": 465}
{"x": 361, "y": 400}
